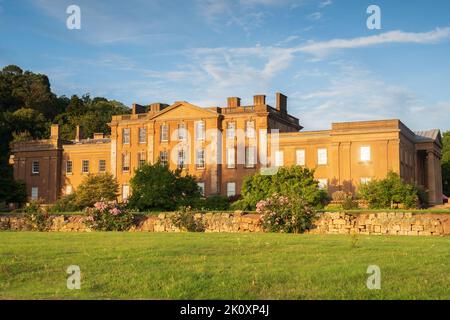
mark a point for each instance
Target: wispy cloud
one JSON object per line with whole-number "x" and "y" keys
{"x": 315, "y": 16}
{"x": 325, "y": 3}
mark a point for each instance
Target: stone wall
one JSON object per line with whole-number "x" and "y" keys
{"x": 381, "y": 223}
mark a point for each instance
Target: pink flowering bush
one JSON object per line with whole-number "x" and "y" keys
{"x": 285, "y": 214}
{"x": 108, "y": 216}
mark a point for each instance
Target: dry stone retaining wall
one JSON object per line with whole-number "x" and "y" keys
{"x": 381, "y": 223}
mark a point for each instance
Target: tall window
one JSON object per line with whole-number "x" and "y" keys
{"x": 322, "y": 157}
{"x": 231, "y": 158}
{"x": 35, "y": 167}
{"x": 163, "y": 158}
{"x": 126, "y": 135}
{"x": 250, "y": 157}
{"x": 34, "y": 193}
{"x": 181, "y": 161}
{"x": 279, "y": 158}
{"x": 231, "y": 189}
{"x": 323, "y": 183}
{"x": 201, "y": 186}
{"x": 300, "y": 157}
{"x": 125, "y": 192}
{"x": 231, "y": 130}
{"x": 69, "y": 166}
{"x": 126, "y": 162}
{"x": 142, "y": 158}
{"x": 164, "y": 132}
{"x": 143, "y": 135}
{"x": 69, "y": 189}
{"x": 85, "y": 166}
{"x": 364, "y": 153}
{"x": 200, "y": 130}
{"x": 200, "y": 159}
{"x": 250, "y": 129}
{"x": 182, "y": 132}
{"x": 102, "y": 165}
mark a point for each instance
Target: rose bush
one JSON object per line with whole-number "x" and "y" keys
{"x": 108, "y": 216}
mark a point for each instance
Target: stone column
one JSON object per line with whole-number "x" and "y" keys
{"x": 431, "y": 177}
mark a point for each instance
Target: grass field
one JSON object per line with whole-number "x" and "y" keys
{"x": 221, "y": 266}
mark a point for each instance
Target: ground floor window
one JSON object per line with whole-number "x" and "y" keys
{"x": 323, "y": 183}
{"x": 231, "y": 189}
{"x": 34, "y": 193}
{"x": 125, "y": 192}
{"x": 201, "y": 186}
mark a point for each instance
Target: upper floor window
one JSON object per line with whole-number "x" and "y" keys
{"x": 143, "y": 135}
{"x": 101, "y": 165}
{"x": 250, "y": 157}
{"x": 85, "y": 166}
{"x": 200, "y": 159}
{"x": 300, "y": 157}
{"x": 182, "y": 132}
{"x": 142, "y": 158}
{"x": 35, "y": 167}
{"x": 364, "y": 153}
{"x": 322, "y": 156}
{"x": 200, "y": 130}
{"x": 231, "y": 158}
{"x": 69, "y": 166}
{"x": 126, "y": 135}
{"x": 231, "y": 130}
{"x": 163, "y": 158}
{"x": 164, "y": 132}
{"x": 250, "y": 129}
{"x": 279, "y": 158}
{"x": 126, "y": 162}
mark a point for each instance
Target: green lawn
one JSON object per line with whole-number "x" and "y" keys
{"x": 221, "y": 266}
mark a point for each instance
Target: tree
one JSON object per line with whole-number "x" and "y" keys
{"x": 155, "y": 187}
{"x": 94, "y": 188}
{"x": 288, "y": 181}
{"x": 446, "y": 162}
{"x": 384, "y": 193}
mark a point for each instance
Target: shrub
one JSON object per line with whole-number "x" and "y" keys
{"x": 285, "y": 214}
{"x": 94, "y": 188}
{"x": 155, "y": 187}
{"x": 345, "y": 199}
{"x": 389, "y": 192}
{"x": 66, "y": 203}
{"x": 288, "y": 181}
{"x": 185, "y": 220}
{"x": 37, "y": 218}
{"x": 108, "y": 216}
{"x": 216, "y": 203}
{"x": 339, "y": 195}
{"x": 349, "y": 203}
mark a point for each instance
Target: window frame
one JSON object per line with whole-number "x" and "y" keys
{"x": 361, "y": 153}
{"x": 231, "y": 165}
{"x": 228, "y": 189}
{"x": 33, "y": 167}
{"x": 67, "y": 166}
{"x": 164, "y": 133}
{"x": 200, "y": 135}
{"x": 319, "y": 162}
{"x": 277, "y": 159}
{"x": 83, "y": 166}
{"x": 126, "y": 155}
{"x": 247, "y": 157}
{"x": 142, "y": 133}
{"x": 128, "y": 136}
{"x": 102, "y": 164}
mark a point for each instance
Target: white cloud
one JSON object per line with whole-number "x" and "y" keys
{"x": 325, "y": 3}
{"x": 315, "y": 16}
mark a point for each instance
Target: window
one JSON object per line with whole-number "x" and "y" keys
{"x": 231, "y": 130}
{"x": 250, "y": 129}
{"x": 163, "y": 158}
{"x": 322, "y": 158}
{"x": 35, "y": 167}
{"x": 323, "y": 183}
{"x": 200, "y": 159}
{"x": 143, "y": 135}
{"x": 279, "y": 158}
{"x": 125, "y": 192}
{"x": 201, "y": 186}
{"x": 85, "y": 166}
{"x": 69, "y": 189}
{"x": 101, "y": 165}
{"x": 164, "y": 132}
{"x": 126, "y": 162}
{"x": 250, "y": 153}
{"x": 231, "y": 156}
{"x": 69, "y": 166}
{"x": 182, "y": 132}
{"x": 231, "y": 189}
{"x": 34, "y": 193}
{"x": 365, "y": 180}
{"x": 300, "y": 155}
{"x": 200, "y": 130}
{"x": 181, "y": 158}
{"x": 364, "y": 153}
{"x": 142, "y": 158}
{"x": 126, "y": 135}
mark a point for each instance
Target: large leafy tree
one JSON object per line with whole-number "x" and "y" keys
{"x": 446, "y": 163}
{"x": 100, "y": 187}
{"x": 155, "y": 187}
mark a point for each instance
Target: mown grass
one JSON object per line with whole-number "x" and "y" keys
{"x": 221, "y": 266}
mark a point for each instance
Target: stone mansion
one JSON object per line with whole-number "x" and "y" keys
{"x": 221, "y": 145}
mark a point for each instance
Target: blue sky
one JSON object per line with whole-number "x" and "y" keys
{"x": 318, "y": 52}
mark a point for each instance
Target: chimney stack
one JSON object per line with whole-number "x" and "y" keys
{"x": 78, "y": 134}
{"x": 281, "y": 102}
{"x": 137, "y": 108}
{"x": 54, "y": 132}
{"x": 259, "y": 100}
{"x": 233, "y": 102}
